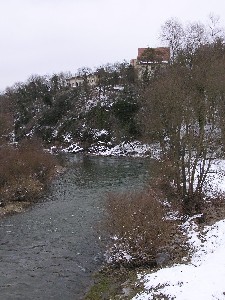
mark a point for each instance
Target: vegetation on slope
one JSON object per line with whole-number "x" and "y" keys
{"x": 48, "y": 108}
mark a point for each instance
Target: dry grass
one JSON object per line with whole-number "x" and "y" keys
{"x": 213, "y": 209}
{"x": 137, "y": 226}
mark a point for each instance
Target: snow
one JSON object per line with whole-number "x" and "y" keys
{"x": 203, "y": 278}
{"x": 134, "y": 149}
{"x": 119, "y": 87}
{"x": 67, "y": 137}
{"x": 73, "y": 148}
{"x": 215, "y": 180}
{"x": 99, "y": 133}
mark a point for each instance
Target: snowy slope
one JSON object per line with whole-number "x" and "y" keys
{"x": 203, "y": 278}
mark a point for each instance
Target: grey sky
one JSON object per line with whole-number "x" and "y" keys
{"x": 47, "y": 36}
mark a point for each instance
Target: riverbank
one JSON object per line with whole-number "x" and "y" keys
{"x": 25, "y": 172}
{"x": 13, "y": 207}
{"x": 203, "y": 242}
{"x": 123, "y": 149}
{"x": 201, "y": 278}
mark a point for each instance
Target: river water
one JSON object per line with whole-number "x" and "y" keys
{"x": 51, "y": 250}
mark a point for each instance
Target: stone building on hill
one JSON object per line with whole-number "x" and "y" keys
{"x": 150, "y": 59}
{"x": 76, "y": 81}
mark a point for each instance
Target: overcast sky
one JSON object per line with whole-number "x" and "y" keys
{"x": 50, "y": 36}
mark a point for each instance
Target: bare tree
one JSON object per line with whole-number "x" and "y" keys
{"x": 181, "y": 109}
{"x": 6, "y": 118}
{"x": 215, "y": 31}
{"x": 172, "y": 33}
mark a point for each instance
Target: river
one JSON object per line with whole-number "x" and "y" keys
{"x": 51, "y": 250}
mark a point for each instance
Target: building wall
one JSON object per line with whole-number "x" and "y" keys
{"x": 75, "y": 81}
{"x": 162, "y": 57}
{"x": 92, "y": 80}
{"x": 78, "y": 80}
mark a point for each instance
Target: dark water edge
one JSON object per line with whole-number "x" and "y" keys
{"x": 52, "y": 250}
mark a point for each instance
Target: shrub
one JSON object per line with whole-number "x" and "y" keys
{"x": 22, "y": 189}
{"x": 125, "y": 112}
{"x": 39, "y": 163}
{"x": 24, "y": 171}
{"x": 99, "y": 117}
{"x": 137, "y": 227}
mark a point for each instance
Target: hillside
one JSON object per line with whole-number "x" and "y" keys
{"x": 85, "y": 116}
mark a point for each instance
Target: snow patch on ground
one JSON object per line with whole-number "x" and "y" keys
{"x": 203, "y": 278}
{"x": 102, "y": 147}
{"x": 73, "y": 148}
{"x": 216, "y": 178}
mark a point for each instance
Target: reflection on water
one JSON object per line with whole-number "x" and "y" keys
{"x": 50, "y": 251}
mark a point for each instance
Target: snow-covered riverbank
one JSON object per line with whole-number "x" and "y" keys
{"x": 203, "y": 278}
{"x": 132, "y": 148}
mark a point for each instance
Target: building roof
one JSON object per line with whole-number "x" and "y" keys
{"x": 160, "y": 53}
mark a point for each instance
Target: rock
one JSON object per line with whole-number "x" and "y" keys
{"x": 2, "y": 204}
{"x": 126, "y": 291}
{"x": 162, "y": 258}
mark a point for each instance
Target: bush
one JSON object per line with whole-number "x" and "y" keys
{"x": 137, "y": 227}
{"x": 39, "y": 163}
{"x": 99, "y": 117}
{"x": 22, "y": 189}
{"x": 125, "y": 112}
{"x": 24, "y": 171}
